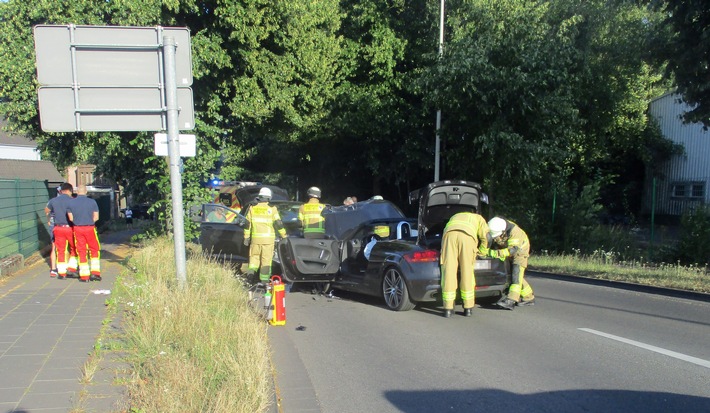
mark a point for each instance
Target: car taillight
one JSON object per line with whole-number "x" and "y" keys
{"x": 422, "y": 256}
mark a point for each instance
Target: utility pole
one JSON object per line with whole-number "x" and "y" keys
{"x": 437, "y": 146}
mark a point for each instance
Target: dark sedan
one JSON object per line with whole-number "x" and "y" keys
{"x": 401, "y": 265}
{"x": 222, "y": 228}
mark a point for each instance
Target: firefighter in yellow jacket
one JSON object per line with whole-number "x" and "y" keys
{"x": 264, "y": 222}
{"x": 310, "y": 215}
{"x": 465, "y": 235}
{"x": 512, "y": 243}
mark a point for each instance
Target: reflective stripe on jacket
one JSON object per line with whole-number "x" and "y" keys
{"x": 514, "y": 236}
{"x": 472, "y": 224}
{"x": 310, "y": 216}
{"x": 262, "y": 217}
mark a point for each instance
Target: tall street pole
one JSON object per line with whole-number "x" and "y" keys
{"x": 169, "y": 47}
{"x": 437, "y": 146}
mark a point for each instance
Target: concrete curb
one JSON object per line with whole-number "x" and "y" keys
{"x": 648, "y": 289}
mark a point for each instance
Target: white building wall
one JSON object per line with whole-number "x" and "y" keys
{"x": 689, "y": 171}
{"x": 24, "y": 153}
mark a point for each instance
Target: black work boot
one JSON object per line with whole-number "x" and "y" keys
{"x": 507, "y": 303}
{"x": 467, "y": 312}
{"x": 524, "y": 303}
{"x": 448, "y": 313}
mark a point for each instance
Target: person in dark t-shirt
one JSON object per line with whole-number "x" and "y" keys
{"x": 84, "y": 212}
{"x": 63, "y": 233}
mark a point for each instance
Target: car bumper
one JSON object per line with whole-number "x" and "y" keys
{"x": 424, "y": 280}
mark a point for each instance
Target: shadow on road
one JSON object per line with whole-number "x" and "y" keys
{"x": 493, "y": 400}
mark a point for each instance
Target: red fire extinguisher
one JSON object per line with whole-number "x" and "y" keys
{"x": 278, "y": 298}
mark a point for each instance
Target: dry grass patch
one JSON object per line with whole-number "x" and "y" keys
{"x": 200, "y": 349}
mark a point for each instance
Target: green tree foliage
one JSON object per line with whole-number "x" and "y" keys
{"x": 375, "y": 138}
{"x": 263, "y": 70}
{"x": 693, "y": 246}
{"x": 538, "y": 95}
{"x": 506, "y": 92}
{"x": 688, "y": 52}
{"x": 535, "y": 95}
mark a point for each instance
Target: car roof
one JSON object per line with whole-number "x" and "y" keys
{"x": 339, "y": 220}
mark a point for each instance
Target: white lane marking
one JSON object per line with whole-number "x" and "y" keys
{"x": 680, "y": 356}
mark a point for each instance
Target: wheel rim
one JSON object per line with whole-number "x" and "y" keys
{"x": 393, "y": 288}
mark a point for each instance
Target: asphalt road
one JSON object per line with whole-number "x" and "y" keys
{"x": 581, "y": 348}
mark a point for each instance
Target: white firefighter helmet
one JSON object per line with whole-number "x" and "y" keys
{"x": 497, "y": 226}
{"x": 265, "y": 194}
{"x": 313, "y": 192}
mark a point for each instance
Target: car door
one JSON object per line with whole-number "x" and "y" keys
{"x": 222, "y": 232}
{"x": 311, "y": 260}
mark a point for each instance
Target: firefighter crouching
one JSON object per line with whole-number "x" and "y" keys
{"x": 511, "y": 242}
{"x": 464, "y": 235}
{"x": 264, "y": 222}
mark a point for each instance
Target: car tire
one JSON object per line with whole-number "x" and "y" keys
{"x": 395, "y": 292}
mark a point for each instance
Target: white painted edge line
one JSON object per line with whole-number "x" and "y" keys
{"x": 680, "y": 356}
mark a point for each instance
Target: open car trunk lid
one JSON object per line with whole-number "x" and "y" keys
{"x": 438, "y": 202}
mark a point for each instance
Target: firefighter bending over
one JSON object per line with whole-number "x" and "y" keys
{"x": 464, "y": 235}
{"x": 264, "y": 222}
{"x": 511, "y": 242}
{"x": 310, "y": 215}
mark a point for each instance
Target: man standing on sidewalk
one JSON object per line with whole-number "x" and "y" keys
{"x": 84, "y": 212}
{"x": 53, "y": 248}
{"x": 63, "y": 234}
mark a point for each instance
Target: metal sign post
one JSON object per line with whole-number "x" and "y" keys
{"x": 174, "y": 156}
{"x": 112, "y": 78}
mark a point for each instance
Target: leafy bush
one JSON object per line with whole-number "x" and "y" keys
{"x": 693, "y": 246}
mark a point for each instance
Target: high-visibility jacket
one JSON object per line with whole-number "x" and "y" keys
{"x": 264, "y": 219}
{"x": 310, "y": 216}
{"x": 472, "y": 224}
{"x": 515, "y": 239}
{"x": 465, "y": 233}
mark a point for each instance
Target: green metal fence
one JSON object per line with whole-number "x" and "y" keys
{"x": 23, "y": 225}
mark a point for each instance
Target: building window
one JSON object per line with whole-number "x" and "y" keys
{"x": 679, "y": 190}
{"x": 688, "y": 190}
{"x": 697, "y": 190}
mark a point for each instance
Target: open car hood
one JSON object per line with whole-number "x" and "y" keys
{"x": 440, "y": 200}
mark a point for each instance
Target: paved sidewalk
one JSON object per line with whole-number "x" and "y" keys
{"x": 49, "y": 330}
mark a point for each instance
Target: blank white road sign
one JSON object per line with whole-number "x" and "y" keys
{"x": 186, "y": 143}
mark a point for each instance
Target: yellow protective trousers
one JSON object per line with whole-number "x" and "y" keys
{"x": 519, "y": 287}
{"x": 261, "y": 256}
{"x": 457, "y": 255}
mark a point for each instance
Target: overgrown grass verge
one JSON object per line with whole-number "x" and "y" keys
{"x": 200, "y": 349}
{"x": 605, "y": 266}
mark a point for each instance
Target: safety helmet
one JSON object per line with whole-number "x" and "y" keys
{"x": 265, "y": 194}
{"x": 313, "y": 192}
{"x": 497, "y": 226}
{"x": 382, "y": 231}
